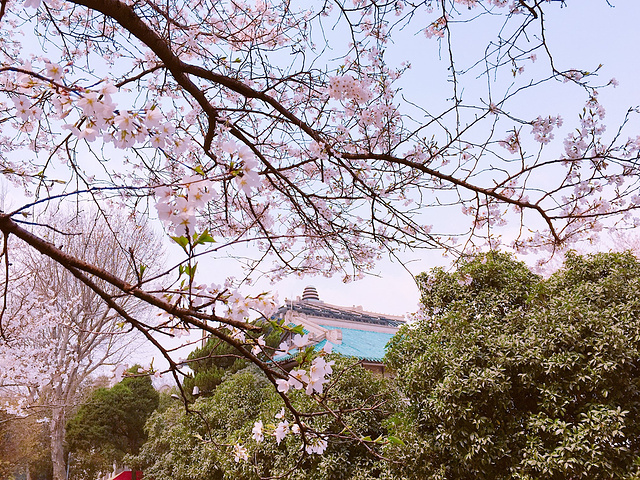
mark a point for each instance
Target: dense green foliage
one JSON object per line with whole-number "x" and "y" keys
{"x": 215, "y": 359}
{"x": 210, "y": 363}
{"x": 512, "y": 376}
{"x": 198, "y": 445}
{"x": 110, "y": 425}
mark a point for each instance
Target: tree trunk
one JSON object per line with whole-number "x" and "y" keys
{"x": 57, "y": 444}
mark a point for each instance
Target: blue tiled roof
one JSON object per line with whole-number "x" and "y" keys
{"x": 356, "y": 342}
{"x": 362, "y": 344}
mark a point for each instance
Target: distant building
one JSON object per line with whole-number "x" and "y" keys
{"x": 352, "y": 331}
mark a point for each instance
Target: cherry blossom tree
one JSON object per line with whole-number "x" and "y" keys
{"x": 295, "y": 128}
{"x": 59, "y": 333}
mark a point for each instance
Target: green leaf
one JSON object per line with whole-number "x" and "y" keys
{"x": 191, "y": 271}
{"x": 395, "y": 441}
{"x": 182, "y": 241}
{"x": 203, "y": 238}
{"x": 298, "y": 329}
{"x": 276, "y": 324}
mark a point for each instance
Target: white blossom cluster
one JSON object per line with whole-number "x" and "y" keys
{"x": 315, "y": 444}
{"x": 246, "y": 177}
{"x": 346, "y": 87}
{"x": 177, "y": 206}
{"x": 542, "y": 128}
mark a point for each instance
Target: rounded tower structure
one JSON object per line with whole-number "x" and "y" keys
{"x": 310, "y": 294}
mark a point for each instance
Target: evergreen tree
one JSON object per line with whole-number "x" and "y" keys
{"x": 512, "y": 376}
{"x": 110, "y": 424}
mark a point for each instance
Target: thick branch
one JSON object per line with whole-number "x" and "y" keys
{"x": 8, "y": 226}
{"x": 125, "y": 15}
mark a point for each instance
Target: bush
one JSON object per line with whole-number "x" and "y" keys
{"x": 512, "y": 376}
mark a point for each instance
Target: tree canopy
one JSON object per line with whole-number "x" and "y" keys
{"x": 24, "y": 447}
{"x": 509, "y": 375}
{"x": 244, "y": 410}
{"x": 110, "y": 425}
{"x": 214, "y": 360}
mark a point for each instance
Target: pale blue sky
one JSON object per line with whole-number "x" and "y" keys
{"x": 582, "y": 35}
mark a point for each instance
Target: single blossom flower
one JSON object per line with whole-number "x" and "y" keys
{"x": 300, "y": 340}
{"x": 281, "y": 431}
{"x": 32, "y": 4}
{"x": 240, "y": 453}
{"x": 258, "y": 431}
{"x": 283, "y": 385}
{"x": 53, "y": 71}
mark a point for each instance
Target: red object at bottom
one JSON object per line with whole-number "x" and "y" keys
{"x": 128, "y": 475}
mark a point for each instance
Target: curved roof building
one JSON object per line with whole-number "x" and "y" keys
{"x": 352, "y": 331}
